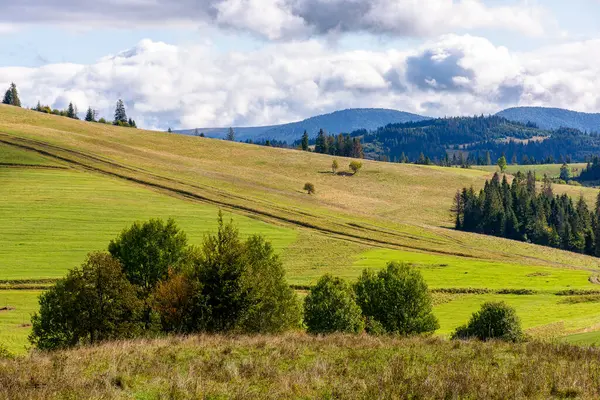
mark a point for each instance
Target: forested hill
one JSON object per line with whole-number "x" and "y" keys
{"x": 553, "y": 118}
{"x": 336, "y": 122}
{"x": 476, "y": 136}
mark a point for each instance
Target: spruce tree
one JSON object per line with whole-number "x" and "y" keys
{"x": 231, "y": 135}
{"x": 305, "y": 141}
{"x": 11, "y": 97}
{"x": 321, "y": 143}
{"x": 120, "y": 114}
{"x": 90, "y": 115}
{"x": 72, "y": 111}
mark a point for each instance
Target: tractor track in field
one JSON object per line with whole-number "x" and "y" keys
{"x": 51, "y": 151}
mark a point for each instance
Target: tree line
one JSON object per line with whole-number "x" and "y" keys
{"x": 152, "y": 282}
{"x": 11, "y": 97}
{"x": 519, "y": 211}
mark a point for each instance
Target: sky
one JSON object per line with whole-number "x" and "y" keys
{"x": 216, "y": 63}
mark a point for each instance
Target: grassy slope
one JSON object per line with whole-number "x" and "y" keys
{"x": 386, "y": 212}
{"x": 552, "y": 170}
{"x": 299, "y": 366}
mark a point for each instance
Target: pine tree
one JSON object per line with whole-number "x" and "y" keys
{"x": 321, "y": 143}
{"x": 120, "y": 114}
{"x": 72, "y": 111}
{"x": 231, "y": 135}
{"x": 305, "y": 141}
{"x": 357, "y": 151}
{"x": 11, "y": 97}
{"x": 90, "y": 116}
{"x": 170, "y": 130}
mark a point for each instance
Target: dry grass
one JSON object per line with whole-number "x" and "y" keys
{"x": 301, "y": 366}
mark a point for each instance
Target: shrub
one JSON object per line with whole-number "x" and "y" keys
{"x": 330, "y": 307}
{"x": 93, "y": 303}
{"x": 355, "y": 166}
{"x": 173, "y": 300}
{"x": 309, "y": 187}
{"x": 492, "y": 321}
{"x": 147, "y": 251}
{"x": 334, "y": 166}
{"x": 397, "y": 297}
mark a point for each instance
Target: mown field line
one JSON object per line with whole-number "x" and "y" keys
{"x": 28, "y": 144}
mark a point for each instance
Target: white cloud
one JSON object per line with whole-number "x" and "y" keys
{"x": 197, "y": 86}
{"x": 285, "y": 19}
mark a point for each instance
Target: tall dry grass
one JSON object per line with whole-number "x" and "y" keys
{"x": 301, "y": 366}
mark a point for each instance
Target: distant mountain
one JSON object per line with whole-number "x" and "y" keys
{"x": 337, "y": 122}
{"x": 553, "y": 118}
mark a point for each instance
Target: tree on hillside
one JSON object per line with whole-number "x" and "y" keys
{"x": 355, "y": 166}
{"x": 231, "y": 135}
{"x": 11, "y": 97}
{"x": 334, "y": 166}
{"x": 309, "y": 187}
{"x": 321, "y": 143}
{"x": 72, "y": 111}
{"x": 90, "y": 115}
{"x": 502, "y": 164}
{"x": 493, "y": 321}
{"x": 131, "y": 123}
{"x": 170, "y": 130}
{"x": 565, "y": 173}
{"x": 120, "y": 113}
{"x": 93, "y": 303}
{"x": 305, "y": 141}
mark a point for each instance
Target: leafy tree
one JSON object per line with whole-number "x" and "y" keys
{"x": 493, "y": 321}
{"x": 355, "y": 166}
{"x": 147, "y": 251}
{"x": 309, "y": 187}
{"x": 502, "y": 164}
{"x": 231, "y": 135}
{"x": 397, "y": 297}
{"x": 565, "y": 173}
{"x": 331, "y": 307}
{"x": 305, "y": 141}
{"x": 90, "y": 115}
{"x": 93, "y": 303}
{"x": 11, "y": 97}
{"x": 120, "y": 113}
{"x": 334, "y": 166}
{"x": 174, "y": 299}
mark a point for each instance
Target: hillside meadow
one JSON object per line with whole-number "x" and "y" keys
{"x": 69, "y": 187}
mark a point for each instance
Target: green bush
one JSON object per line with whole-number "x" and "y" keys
{"x": 330, "y": 307}
{"x": 147, "y": 251}
{"x": 93, "y": 303}
{"x": 492, "y": 321}
{"x": 397, "y": 297}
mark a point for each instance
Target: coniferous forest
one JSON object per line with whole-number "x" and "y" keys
{"x": 520, "y": 211}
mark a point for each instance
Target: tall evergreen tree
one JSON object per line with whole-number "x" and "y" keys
{"x": 305, "y": 141}
{"x": 11, "y": 97}
{"x": 120, "y": 113}
{"x": 231, "y": 135}
{"x": 321, "y": 143}
{"x": 72, "y": 111}
{"x": 90, "y": 115}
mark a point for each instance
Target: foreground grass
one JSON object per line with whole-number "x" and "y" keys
{"x": 301, "y": 366}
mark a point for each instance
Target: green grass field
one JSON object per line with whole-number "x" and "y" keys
{"x": 111, "y": 177}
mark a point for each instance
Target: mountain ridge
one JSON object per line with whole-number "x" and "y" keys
{"x": 553, "y": 118}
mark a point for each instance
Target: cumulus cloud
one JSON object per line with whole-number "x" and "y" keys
{"x": 197, "y": 86}
{"x": 285, "y": 19}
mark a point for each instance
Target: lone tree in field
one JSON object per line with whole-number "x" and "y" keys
{"x": 565, "y": 173}
{"x": 11, "y": 97}
{"x": 93, "y": 303}
{"x": 398, "y": 299}
{"x": 305, "y": 141}
{"x": 492, "y": 321}
{"x": 502, "y": 164}
{"x": 120, "y": 113}
{"x": 331, "y": 307}
{"x": 309, "y": 187}
{"x": 334, "y": 166}
{"x": 355, "y": 166}
{"x": 230, "y": 135}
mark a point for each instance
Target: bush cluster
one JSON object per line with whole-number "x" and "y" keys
{"x": 151, "y": 281}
